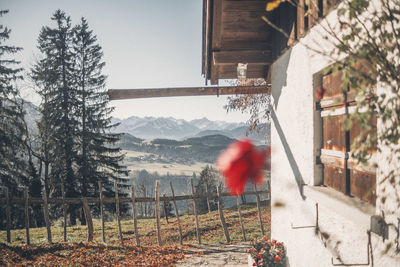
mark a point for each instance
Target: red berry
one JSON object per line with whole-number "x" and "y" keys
{"x": 259, "y": 256}
{"x": 277, "y": 258}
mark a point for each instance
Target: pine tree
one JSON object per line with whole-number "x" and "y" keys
{"x": 208, "y": 182}
{"x": 12, "y": 131}
{"x": 78, "y": 148}
{"x": 54, "y": 74}
{"x": 98, "y": 159}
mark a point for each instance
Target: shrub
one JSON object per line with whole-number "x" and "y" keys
{"x": 268, "y": 253}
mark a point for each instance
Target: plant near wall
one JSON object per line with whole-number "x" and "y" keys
{"x": 268, "y": 253}
{"x": 257, "y": 105}
{"x": 370, "y": 48}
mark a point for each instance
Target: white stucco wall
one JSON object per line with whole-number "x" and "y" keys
{"x": 343, "y": 221}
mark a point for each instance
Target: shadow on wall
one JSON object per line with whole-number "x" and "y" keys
{"x": 289, "y": 155}
{"x": 280, "y": 76}
{"x": 280, "y": 81}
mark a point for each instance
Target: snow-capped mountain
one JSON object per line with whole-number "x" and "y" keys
{"x": 151, "y": 127}
{"x": 206, "y": 124}
{"x": 32, "y": 114}
{"x": 165, "y": 127}
{"x": 177, "y": 129}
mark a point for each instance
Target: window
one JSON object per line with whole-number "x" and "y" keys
{"x": 340, "y": 171}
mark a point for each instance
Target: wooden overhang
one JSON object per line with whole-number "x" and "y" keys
{"x": 239, "y": 31}
{"x": 233, "y": 32}
{"x": 117, "y": 94}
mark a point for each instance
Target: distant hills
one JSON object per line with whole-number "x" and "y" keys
{"x": 189, "y": 151}
{"x": 178, "y": 129}
{"x": 168, "y": 128}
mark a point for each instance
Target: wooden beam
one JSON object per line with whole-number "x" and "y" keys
{"x": 250, "y": 56}
{"x": 116, "y": 94}
{"x": 216, "y": 26}
{"x": 207, "y": 40}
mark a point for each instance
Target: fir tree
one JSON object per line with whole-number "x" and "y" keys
{"x": 56, "y": 72}
{"x": 98, "y": 159}
{"x": 78, "y": 148}
{"x": 12, "y": 131}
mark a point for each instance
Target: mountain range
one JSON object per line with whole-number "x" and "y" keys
{"x": 179, "y": 129}
{"x": 167, "y": 127}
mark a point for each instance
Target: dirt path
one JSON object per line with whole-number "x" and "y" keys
{"x": 217, "y": 255}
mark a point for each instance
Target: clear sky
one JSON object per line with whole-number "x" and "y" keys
{"x": 146, "y": 44}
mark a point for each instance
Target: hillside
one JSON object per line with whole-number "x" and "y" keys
{"x": 77, "y": 252}
{"x": 197, "y": 149}
{"x": 174, "y": 129}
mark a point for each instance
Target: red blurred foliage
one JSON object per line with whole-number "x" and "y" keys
{"x": 240, "y": 163}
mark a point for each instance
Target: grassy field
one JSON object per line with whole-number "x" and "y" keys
{"x": 77, "y": 252}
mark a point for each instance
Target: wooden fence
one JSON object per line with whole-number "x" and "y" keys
{"x": 44, "y": 201}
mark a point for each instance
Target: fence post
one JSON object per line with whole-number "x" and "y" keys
{"x": 26, "y": 195}
{"x": 221, "y": 216}
{"x": 64, "y": 212}
{"x": 117, "y": 212}
{"x": 134, "y": 216}
{"x": 157, "y": 211}
{"x": 165, "y": 203}
{"x": 88, "y": 218}
{"x": 177, "y": 214}
{"x": 46, "y": 215}
{"x": 103, "y": 234}
{"x": 8, "y": 215}
{"x": 195, "y": 213}
{"x": 259, "y": 210}
{"x": 240, "y": 218}
{"x": 208, "y": 200}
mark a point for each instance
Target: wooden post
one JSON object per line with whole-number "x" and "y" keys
{"x": 177, "y": 214}
{"x": 259, "y": 210}
{"x": 117, "y": 212}
{"x": 208, "y": 200}
{"x": 157, "y": 211}
{"x": 325, "y": 7}
{"x": 134, "y": 217}
{"x": 103, "y": 234}
{"x": 46, "y": 215}
{"x": 221, "y": 216}
{"x": 64, "y": 211}
{"x": 8, "y": 215}
{"x": 300, "y": 18}
{"x": 88, "y": 218}
{"x": 195, "y": 213}
{"x": 240, "y": 218}
{"x": 165, "y": 204}
{"x": 26, "y": 195}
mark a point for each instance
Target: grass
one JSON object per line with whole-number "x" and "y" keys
{"x": 210, "y": 228}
